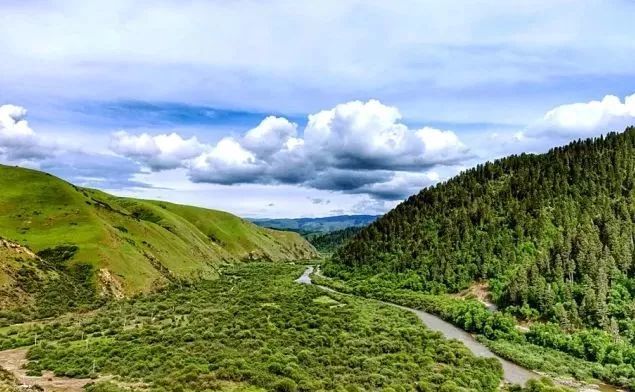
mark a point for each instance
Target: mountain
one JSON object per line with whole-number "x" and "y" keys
{"x": 317, "y": 225}
{"x": 121, "y": 246}
{"x": 550, "y": 234}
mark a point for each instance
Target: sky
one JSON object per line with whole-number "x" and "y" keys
{"x": 303, "y": 109}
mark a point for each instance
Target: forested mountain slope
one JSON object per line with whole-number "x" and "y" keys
{"x": 554, "y": 232}
{"x": 328, "y": 242}
{"x": 119, "y": 245}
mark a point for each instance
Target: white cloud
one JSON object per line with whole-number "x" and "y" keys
{"x": 369, "y": 135}
{"x": 355, "y": 147}
{"x": 226, "y": 163}
{"x": 17, "y": 140}
{"x": 271, "y": 135}
{"x": 587, "y": 118}
{"x": 160, "y": 152}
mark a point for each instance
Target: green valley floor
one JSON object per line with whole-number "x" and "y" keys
{"x": 254, "y": 329}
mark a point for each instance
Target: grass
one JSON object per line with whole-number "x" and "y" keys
{"x": 255, "y": 327}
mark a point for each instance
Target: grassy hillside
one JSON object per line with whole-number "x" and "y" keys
{"x": 129, "y": 245}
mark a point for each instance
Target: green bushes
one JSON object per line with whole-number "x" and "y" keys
{"x": 255, "y": 326}
{"x": 56, "y": 257}
{"x": 583, "y": 354}
{"x": 591, "y": 344}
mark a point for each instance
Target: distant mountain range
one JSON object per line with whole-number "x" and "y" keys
{"x": 317, "y": 225}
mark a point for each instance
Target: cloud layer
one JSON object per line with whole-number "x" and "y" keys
{"x": 360, "y": 149}
{"x": 17, "y": 140}
{"x": 355, "y": 147}
{"x": 160, "y": 152}
{"x": 587, "y": 118}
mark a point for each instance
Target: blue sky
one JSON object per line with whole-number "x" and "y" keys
{"x": 286, "y": 108}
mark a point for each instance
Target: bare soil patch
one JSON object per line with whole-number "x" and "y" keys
{"x": 14, "y": 362}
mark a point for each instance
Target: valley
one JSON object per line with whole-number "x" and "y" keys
{"x": 504, "y": 278}
{"x": 317, "y": 196}
{"x": 252, "y": 329}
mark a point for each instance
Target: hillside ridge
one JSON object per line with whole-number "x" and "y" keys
{"x": 124, "y": 245}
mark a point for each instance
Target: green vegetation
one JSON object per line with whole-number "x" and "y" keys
{"x": 326, "y": 243}
{"x": 254, "y": 326}
{"x": 498, "y": 331}
{"x": 317, "y": 225}
{"x": 91, "y": 245}
{"x": 552, "y": 234}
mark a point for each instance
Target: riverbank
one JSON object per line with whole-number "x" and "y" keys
{"x": 511, "y": 366}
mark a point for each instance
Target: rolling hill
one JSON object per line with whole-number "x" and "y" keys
{"x": 121, "y": 245}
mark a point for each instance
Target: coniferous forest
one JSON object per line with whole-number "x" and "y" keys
{"x": 552, "y": 235}
{"x": 551, "y": 232}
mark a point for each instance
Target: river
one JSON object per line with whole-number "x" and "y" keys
{"x": 511, "y": 372}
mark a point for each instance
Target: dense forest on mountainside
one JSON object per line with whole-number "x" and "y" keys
{"x": 326, "y": 243}
{"x": 552, "y": 234}
{"x": 63, "y": 246}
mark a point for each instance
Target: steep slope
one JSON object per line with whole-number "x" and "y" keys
{"x": 553, "y": 233}
{"x": 128, "y": 245}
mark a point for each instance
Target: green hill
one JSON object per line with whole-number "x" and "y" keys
{"x": 552, "y": 234}
{"x": 123, "y": 245}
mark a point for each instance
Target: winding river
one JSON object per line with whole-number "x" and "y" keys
{"x": 511, "y": 372}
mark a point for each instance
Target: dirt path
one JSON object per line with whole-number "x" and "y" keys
{"x": 14, "y": 361}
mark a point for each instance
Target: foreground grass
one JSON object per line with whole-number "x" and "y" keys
{"x": 256, "y": 328}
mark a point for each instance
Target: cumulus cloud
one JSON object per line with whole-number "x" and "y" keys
{"x": 355, "y": 147}
{"x": 272, "y": 135}
{"x": 369, "y": 135}
{"x": 17, "y": 140}
{"x": 586, "y": 119}
{"x": 21, "y": 145}
{"x": 160, "y": 152}
{"x": 227, "y": 163}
